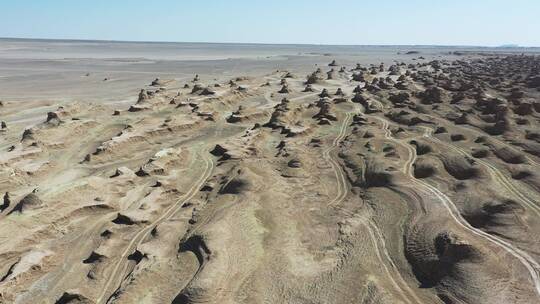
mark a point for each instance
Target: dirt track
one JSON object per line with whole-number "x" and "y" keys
{"x": 411, "y": 185}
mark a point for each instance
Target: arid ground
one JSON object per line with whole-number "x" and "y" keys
{"x": 268, "y": 174}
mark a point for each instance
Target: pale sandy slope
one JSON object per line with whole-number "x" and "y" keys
{"x": 242, "y": 196}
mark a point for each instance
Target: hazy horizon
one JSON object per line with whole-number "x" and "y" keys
{"x": 420, "y": 22}
{"x": 510, "y": 45}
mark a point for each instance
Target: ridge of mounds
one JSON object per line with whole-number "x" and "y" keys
{"x": 360, "y": 98}
{"x": 29, "y": 202}
{"x": 94, "y": 257}
{"x": 284, "y": 89}
{"x": 421, "y": 147}
{"x": 359, "y": 67}
{"x": 359, "y": 77}
{"x": 235, "y": 185}
{"x": 235, "y": 116}
{"x": 374, "y": 174}
{"x": 315, "y": 77}
{"x": 389, "y": 150}
{"x": 6, "y": 202}
{"x": 405, "y": 118}
{"x": 399, "y": 99}
{"x": 221, "y": 152}
{"x": 403, "y": 85}
{"x": 324, "y": 93}
{"x": 308, "y": 88}
{"x": 73, "y": 297}
{"x": 424, "y": 168}
{"x": 381, "y": 84}
{"x": 508, "y": 155}
{"x": 480, "y": 153}
{"x": 289, "y": 75}
{"x": 136, "y": 256}
{"x": 432, "y": 95}
{"x": 140, "y": 105}
{"x": 493, "y": 214}
{"x": 461, "y": 168}
{"x": 203, "y": 91}
{"x": 28, "y": 135}
{"x": 532, "y": 148}
{"x": 462, "y": 119}
{"x": 394, "y": 70}
{"x": 532, "y": 135}
{"x": 436, "y": 258}
{"x": 528, "y": 176}
{"x": 330, "y": 74}
{"x": 457, "y": 137}
{"x": 365, "y": 102}
{"x": 324, "y": 116}
{"x": 358, "y": 120}
{"x": 53, "y": 119}
{"x": 157, "y": 83}
{"x": 123, "y": 219}
{"x": 196, "y": 244}
{"x": 282, "y": 149}
{"x": 143, "y": 96}
{"x": 275, "y": 120}
{"x": 521, "y": 174}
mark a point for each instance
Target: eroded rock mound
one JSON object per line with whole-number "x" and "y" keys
{"x": 439, "y": 261}
{"x": 494, "y": 214}
{"x": 460, "y": 167}
{"x": 29, "y": 202}
{"x": 375, "y": 174}
{"x": 424, "y": 168}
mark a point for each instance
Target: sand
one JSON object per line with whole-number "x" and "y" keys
{"x": 416, "y": 183}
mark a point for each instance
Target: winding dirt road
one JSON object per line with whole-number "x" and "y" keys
{"x": 118, "y": 273}
{"x": 497, "y": 175}
{"x": 526, "y": 260}
{"x": 374, "y": 232}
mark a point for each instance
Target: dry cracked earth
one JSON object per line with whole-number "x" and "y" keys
{"x": 409, "y": 183}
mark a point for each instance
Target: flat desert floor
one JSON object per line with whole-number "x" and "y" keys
{"x": 208, "y": 173}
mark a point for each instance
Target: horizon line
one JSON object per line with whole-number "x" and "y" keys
{"x": 509, "y": 45}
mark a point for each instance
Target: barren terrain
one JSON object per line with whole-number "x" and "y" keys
{"x": 395, "y": 182}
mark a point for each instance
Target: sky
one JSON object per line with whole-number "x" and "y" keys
{"x": 349, "y": 22}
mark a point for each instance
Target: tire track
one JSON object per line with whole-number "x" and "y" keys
{"x": 340, "y": 177}
{"x": 376, "y": 238}
{"x": 526, "y": 260}
{"x": 497, "y": 174}
{"x": 121, "y": 265}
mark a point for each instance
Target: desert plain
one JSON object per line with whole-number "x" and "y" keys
{"x": 222, "y": 173}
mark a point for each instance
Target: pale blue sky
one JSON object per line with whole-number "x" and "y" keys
{"x": 445, "y": 22}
